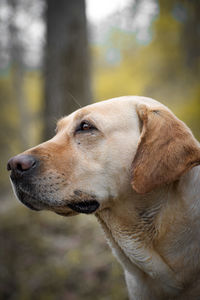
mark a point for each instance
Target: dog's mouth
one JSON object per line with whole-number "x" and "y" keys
{"x": 85, "y": 207}
{"x": 65, "y": 208}
{"x": 28, "y": 200}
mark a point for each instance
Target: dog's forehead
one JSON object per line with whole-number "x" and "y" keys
{"x": 106, "y": 113}
{"x": 121, "y": 109}
{"x": 106, "y": 109}
{"x": 116, "y": 106}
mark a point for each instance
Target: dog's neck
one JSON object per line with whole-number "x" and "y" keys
{"x": 134, "y": 226}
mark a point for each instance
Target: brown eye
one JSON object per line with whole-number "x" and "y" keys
{"x": 85, "y": 126}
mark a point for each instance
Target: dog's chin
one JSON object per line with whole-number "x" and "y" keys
{"x": 71, "y": 208}
{"x": 27, "y": 200}
{"x": 70, "y": 213}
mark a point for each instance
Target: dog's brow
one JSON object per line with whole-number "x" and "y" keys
{"x": 80, "y": 115}
{"x": 60, "y": 124}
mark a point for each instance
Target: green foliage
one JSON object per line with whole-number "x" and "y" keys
{"x": 10, "y": 140}
{"x": 8, "y": 125}
{"x": 160, "y": 69}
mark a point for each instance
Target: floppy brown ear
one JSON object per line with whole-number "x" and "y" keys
{"x": 166, "y": 149}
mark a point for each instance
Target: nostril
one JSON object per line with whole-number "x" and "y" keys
{"x": 20, "y": 167}
{"x": 21, "y": 163}
{"x": 8, "y": 167}
{"x": 25, "y": 164}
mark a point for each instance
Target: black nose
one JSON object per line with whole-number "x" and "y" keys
{"x": 21, "y": 163}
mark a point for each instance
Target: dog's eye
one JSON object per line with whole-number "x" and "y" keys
{"x": 85, "y": 126}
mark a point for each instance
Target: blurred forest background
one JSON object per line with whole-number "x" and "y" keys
{"x": 55, "y": 56}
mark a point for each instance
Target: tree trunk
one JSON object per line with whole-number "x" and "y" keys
{"x": 191, "y": 35}
{"x": 67, "y": 61}
{"x": 18, "y": 70}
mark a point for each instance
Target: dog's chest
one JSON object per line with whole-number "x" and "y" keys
{"x": 135, "y": 255}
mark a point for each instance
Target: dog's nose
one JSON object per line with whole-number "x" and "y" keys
{"x": 21, "y": 163}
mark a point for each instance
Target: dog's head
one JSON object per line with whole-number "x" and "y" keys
{"x": 100, "y": 153}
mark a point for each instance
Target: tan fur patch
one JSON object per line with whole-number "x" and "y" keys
{"x": 166, "y": 150}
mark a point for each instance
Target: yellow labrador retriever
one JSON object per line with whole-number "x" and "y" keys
{"x": 133, "y": 164}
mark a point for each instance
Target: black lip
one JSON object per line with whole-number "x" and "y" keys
{"x": 25, "y": 199}
{"x": 66, "y": 214}
{"x": 85, "y": 207}
{"x": 29, "y": 205}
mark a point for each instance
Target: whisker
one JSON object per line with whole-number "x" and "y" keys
{"x": 75, "y": 100}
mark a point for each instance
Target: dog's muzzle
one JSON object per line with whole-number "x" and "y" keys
{"x": 22, "y": 167}
{"x": 24, "y": 171}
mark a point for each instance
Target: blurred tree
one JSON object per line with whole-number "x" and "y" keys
{"x": 20, "y": 82}
{"x": 166, "y": 68}
{"x": 177, "y": 41}
{"x": 67, "y": 61}
{"x": 188, "y": 13}
{"x": 17, "y": 53}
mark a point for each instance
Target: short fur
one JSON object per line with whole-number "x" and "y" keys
{"x": 137, "y": 172}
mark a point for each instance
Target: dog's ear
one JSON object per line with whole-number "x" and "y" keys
{"x": 166, "y": 149}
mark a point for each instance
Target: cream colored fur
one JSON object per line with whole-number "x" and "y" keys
{"x": 141, "y": 166}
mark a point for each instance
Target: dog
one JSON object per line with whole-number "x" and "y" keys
{"x": 134, "y": 164}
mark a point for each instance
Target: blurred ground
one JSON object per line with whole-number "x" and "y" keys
{"x": 45, "y": 256}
